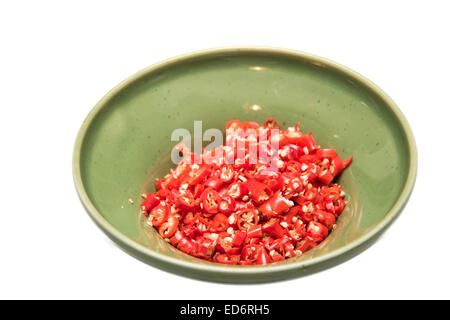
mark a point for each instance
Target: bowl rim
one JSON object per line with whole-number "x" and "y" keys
{"x": 112, "y": 232}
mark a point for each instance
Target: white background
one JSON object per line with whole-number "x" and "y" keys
{"x": 58, "y": 59}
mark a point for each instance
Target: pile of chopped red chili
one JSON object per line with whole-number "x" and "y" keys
{"x": 250, "y": 210}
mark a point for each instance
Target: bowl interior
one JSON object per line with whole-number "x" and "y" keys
{"x": 127, "y": 142}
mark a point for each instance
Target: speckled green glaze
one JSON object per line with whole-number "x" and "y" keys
{"x": 124, "y": 144}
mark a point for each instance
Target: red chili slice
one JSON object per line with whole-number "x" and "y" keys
{"x": 348, "y": 162}
{"x": 210, "y": 200}
{"x": 271, "y": 123}
{"x": 227, "y": 259}
{"x": 167, "y": 229}
{"x": 294, "y": 137}
{"x": 234, "y": 125}
{"x": 258, "y": 191}
{"x": 214, "y": 182}
{"x": 186, "y": 201}
{"x": 336, "y": 166}
{"x": 220, "y": 222}
{"x": 326, "y": 177}
{"x": 339, "y": 207}
{"x": 150, "y": 202}
{"x": 295, "y": 185}
{"x": 159, "y": 215}
{"x": 199, "y": 175}
{"x": 308, "y": 158}
{"x": 324, "y": 217}
{"x": 237, "y": 190}
{"x": 204, "y": 247}
{"x": 311, "y": 194}
{"x": 254, "y": 231}
{"x": 275, "y": 206}
{"x": 246, "y": 218}
{"x": 273, "y": 228}
{"x": 251, "y": 125}
{"x": 239, "y": 238}
{"x": 227, "y": 205}
{"x": 191, "y": 231}
{"x": 299, "y": 230}
{"x": 184, "y": 244}
{"x": 326, "y": 153}
{"x": 317, "y": 231}
{"x": 307, "y": 142}
{"x": 198, "y": 190}
{"x": 227, "y": 173}
{"x": 176, "y": 238}
{"x": 290, "y": 152}
{"x": 306, "y": 245}
{"x": 293, "y": 166}
{"x": 292, "y": 212}
{"x": 248, "y": 254}
{"x": 190, "y": 218}
{"x": 262, "y": 257}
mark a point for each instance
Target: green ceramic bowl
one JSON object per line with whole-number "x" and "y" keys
{"x": 124, "y": 143}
